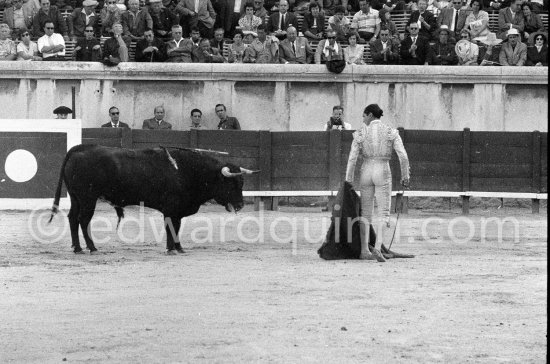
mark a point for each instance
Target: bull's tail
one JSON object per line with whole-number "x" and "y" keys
{"x": 55, "y": 207}
{"x": 120, "y": 213}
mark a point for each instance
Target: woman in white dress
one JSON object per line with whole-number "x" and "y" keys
{"x": 478, "y": 20}
{"x": 27, "y": 50}
{"x": 353, "y": 54}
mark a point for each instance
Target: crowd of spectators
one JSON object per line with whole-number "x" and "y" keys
{"x": 437, "y": 32}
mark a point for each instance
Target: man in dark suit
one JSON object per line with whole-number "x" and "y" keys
{"x": 158, "y": 121}
{"x": 425, "y": 19}
{"x": 219, "y": 40}
{"x": 280, "y": 21}
{"x": 83, "y": 17}
{"x": 88, "y": 49}
{"x": 511, "y": 16}
{"x": 115, "y": 122}
{"x": 150, "y": 49}
{"x": 385, "y": 50}
{"x": 295, "y": 49}
{"x": 313, "y": 25}
{"x": 454, "y": 18}
{"x": 414, "y": 48}
{"x": 51, "y": 14}
{"x": 226, "y": 122}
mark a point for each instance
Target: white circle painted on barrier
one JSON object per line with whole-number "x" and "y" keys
{"x": 21, "y": 165}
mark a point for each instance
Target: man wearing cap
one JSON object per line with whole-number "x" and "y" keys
{"x": 442, "y": 53}
{"x": 114, "y": 114}
{"x": 158, "y": 121}
{"x": 83, "y": 17}
{"x": 510, "y": 17}
{"x": 62, "y": 112}
{"x": 513, "y": 52}
{"x": 135, "y": 21}
{"x": 88, "y": 48}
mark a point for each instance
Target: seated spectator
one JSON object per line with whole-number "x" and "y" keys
{"x": 366, "y": 22}
{"x": 115, "y": 49}
{"x": 83, "y": 17}
{"x": 442, "y": 53}
{"x": 513, "y": 52}
{"x": 263, "y": 49}
{"x": 538, "y": 5}
{"x": 135, "y": 21}
{"x": 281, "y": 20}
{"x": 115, "y": 122}
{"x": 330, "y": 7}
{"x": 414, "y": 48}
{"x": 206, "y": 54}
{"x": 336, "y": 121}
{"x": 313, "y": 24}
{"x": 489, "y": 53}
{"x": 226, "y": 122}
{"x": 195, "y": 36}
{"x": 51, "y": 45}
{"x": 88, "y": 48}
{"x": 532, "y": 21}
{"x": 425, "y": 20}
{"x": 477, "y": 21}
{"x": 387, "y": 23}
{"x": 196, "y": 119}
{"x": 158, "y": 121}
{"x": 27, "y": 50}
{"x": 353, "y": 54}
{"x": 236, "y": 49}
{"x": 110, "y": 14}
{"x": 328, "y": 49}
{"x": 294, "y": 49}
{"x": 454, "y": 18}
{"x": 510, "y": 17}
{"x": 163, "y": 19}
{"x": 219, "y": 40}
{"x": 250, "y": 21}
{"x": 150, "y": 49}
{"x": 538, "y": 54}
{"x": 197, "y": 13}
{"x": 7, "y": 46}
{"x": 18, "y": 17}
{"x": 179, "y": 49}
{"x": 259, "y": 10}
{"x": 466, "y": 51}
{"x": 340, "y": 24}
{"x": 49, "y": 13}
{"x": 385, "y": 50}
{"x": 62, "y": 112}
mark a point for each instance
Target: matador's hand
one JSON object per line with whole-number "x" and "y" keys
{"x": 405, "y": 182}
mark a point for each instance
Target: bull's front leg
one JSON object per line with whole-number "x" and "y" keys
{"x": 172, "y": 226}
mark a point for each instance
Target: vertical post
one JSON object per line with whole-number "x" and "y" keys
{"x": 264, "y": 164}
{"x": 466, "y": 145}
{"x": 73, "y": 101}
{"x": 126, "y": 140}
{"x": 193, "y": 138}
{"x": 537, "y": 166}
{"x": 334, "y": 159}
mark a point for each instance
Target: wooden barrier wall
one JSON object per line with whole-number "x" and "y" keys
{"x": 316, "y": 161}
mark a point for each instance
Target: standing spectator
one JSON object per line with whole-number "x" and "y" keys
{"x": 115, "y": 122}
{"x": 88, "y": 48}
{"x": 110, "y": 14}
{"x": 466, "y": 51}
{"x": 204, "y": 53}
{"x": 158, "y": 121}
{"x": 50, "y": 14}
{"x": 453, "y": 17}
{"x": 179, "y": 49}
{"x": 226, "y": 122}
{"x": 197, "y": 13}
{"x": 7, "y": 46}
{"x": 219, "y": 40}
{"x": 385, "y": 50}
{"x": 259, "y": 10}
{"x": 236, "y": 49}
{"x": 250, "y": 21}
{"x": 387, "y": 23}
{"x": 62, "y": 112}
{"x": 366, "y": 22}
{"x": 313, "y": 24}
{"x": 340, "y": 24}
{"x": 163, "y": 19}
{"x": 51, "y": 45}
{"x": 425, "y": 20}
{"x": 532, "y": 21}
{"x": 196, "y": 119}
{"x": 328, "y": 49}
{"x": 115, "y": 49}
{"x": 538, "y": 55}
{"x": 336, "y": 121}
{"x": 18, "y": 17}
{"x": 150, "y": 49}
{"x": 510, "y": 17}
{"x": 264, "y": 49}
{"x": 414, "y": 48}
{"x": 279, "y": 22}
{"x": 295, "y": 49}
{"x": 513, "y": 52}
{"x": 83, "y": 17}
{"x": 477, "y": 21}
{"x": 353, "y": 54}
{"x": 442, "y": 53}
{"x": 27, "y": 50}
{"x": 135, "y": 21}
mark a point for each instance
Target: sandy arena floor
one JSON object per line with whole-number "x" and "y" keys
{"x": 231, "y": 299}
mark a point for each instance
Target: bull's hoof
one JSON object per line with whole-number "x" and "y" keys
{"x": 171, "y": 252}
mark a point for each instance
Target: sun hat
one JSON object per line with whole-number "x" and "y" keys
{"x": 489, "y": 39}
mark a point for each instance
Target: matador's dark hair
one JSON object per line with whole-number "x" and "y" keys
{"x": 376, "y": 111}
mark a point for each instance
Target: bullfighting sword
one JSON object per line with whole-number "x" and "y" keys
{"x": 402, "y": 193}
{"x": 197, "y": 150}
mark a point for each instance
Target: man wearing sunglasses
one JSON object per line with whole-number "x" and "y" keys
{"x": 81, "y": 18}
{"x": 50, "y": 14}
{"x": 18, "y": 17}
{"x": 115, "y": 122}
{"x": 88, "y": 48}
{"x": 328, "y": 49}
{"x": 51, "y": 44}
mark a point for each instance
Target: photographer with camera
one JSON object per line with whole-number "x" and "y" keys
{"x": 336, "y": 121}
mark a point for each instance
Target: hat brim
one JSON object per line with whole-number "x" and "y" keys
{"x": 491, "y": 42}
{"x": 62, "y": 110}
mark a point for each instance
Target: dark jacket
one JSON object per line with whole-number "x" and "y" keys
{"x": 138, "y": 27}
{"x": 163, "y": 21}
{"x": 273, "y": 22}
{"x": 199, "y": 56}
{"x": 76, "y": 22}
{"x": 153, "y": 124}
{"x": 307, "y": 24}
{"x": 392, "y": 57}
{"x": 534, "y": 57}
{"x": 155, "y": 56}
{"x": 111, "y": 48}
{"x": 120, "y": 125}
{"x": 229, "y": 123}
{"x": 442, "y": 55}
{"x": 428, "y": 18}
{"x": 87, "y": 54}
{"x": 421, "y": 51}
{"x": 54, "y": 16}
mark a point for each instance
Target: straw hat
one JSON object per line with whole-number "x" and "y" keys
{"x": 443, "y": 28}
{"x": 89, "y": 3}
{"x": 489, "y": 39}
{"x": 512, "y": 31}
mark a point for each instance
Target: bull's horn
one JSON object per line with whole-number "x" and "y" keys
{"x": 227, "y": 173}
{"x": 248, "y": 171}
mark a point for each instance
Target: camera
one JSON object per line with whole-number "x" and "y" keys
{"x": 335, "y": 121}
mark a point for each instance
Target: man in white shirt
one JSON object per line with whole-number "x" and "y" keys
{"x": 336, "y": 121}
{"x": 51, "y": 45}
{"x": 366, "y": 22}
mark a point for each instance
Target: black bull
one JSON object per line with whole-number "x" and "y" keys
{"x": 175, "y": 182}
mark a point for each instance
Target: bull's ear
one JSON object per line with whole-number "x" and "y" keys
{"x": 248, "y": 171}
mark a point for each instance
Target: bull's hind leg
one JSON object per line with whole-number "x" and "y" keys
{"x": 172, "y": 226}
{"x": 73, "y": 224}
{"x": 86, "y": 213}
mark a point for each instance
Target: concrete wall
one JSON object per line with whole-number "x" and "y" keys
{"x": 282, "y": 98}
